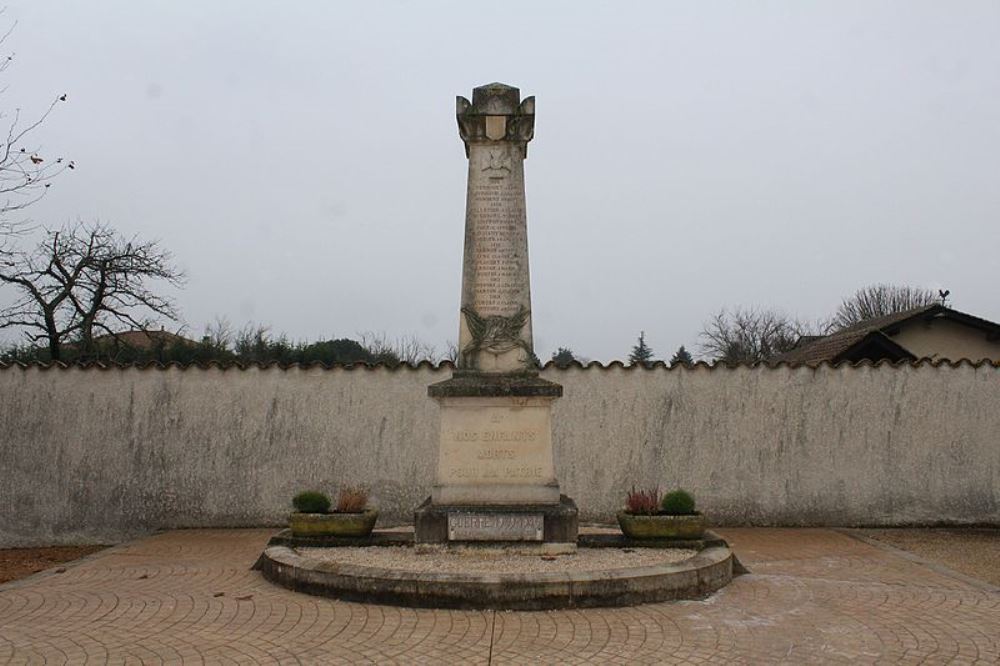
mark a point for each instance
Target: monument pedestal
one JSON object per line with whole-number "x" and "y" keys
{"x": 495, "y": 476}
{"x": 513, "y": 524}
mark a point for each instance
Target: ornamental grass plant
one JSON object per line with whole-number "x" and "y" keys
{"x": 352, "y": 500}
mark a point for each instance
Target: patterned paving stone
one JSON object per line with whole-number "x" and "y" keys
{"x": 189, "y": 597}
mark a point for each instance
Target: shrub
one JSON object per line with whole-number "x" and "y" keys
{"x": 642, "y": 502}
{"x": 352, "y": 500}
{"x": 678, "y": 503}
{"x": 311, "y": 501}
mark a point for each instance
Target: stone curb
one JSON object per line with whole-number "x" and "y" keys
{"x": 694, "y": 578}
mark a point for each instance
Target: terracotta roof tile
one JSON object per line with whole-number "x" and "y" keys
{"x": 142, "y": 339}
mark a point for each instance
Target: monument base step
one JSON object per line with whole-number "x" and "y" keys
{"x": 504, "y": 548}
{"x": 479, "y": 524}
{"x": 501, "y": 495}
{"x": 471, "y": 384}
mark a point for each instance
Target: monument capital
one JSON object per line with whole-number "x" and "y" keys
{"x": 496, "y": 114}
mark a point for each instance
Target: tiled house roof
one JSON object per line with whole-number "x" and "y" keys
{"x": 873, "y": 336}
{"x": 142, "y": 339}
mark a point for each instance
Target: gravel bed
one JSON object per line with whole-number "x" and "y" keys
{"x": 496, "y": 560}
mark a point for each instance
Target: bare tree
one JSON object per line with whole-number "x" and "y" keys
{"x": 405, "y": 349}
{"x": 879, "y": 300}
{"x": 219, "y": 334}
{"x": 750, "y": 335}
{"x": 451, "y": 351}
{"x": 25, "y": 171}
{"x": 86, "y": 279}
{"x": 411, "y": 349}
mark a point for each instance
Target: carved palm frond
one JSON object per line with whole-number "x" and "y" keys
{"x": 476, "y": 324}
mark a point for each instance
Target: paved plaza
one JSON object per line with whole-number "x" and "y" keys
{"x": 189, "y": 596}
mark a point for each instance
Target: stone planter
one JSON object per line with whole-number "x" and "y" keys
{"x": 333, "y": 524}
{"x": 662, "y": 526}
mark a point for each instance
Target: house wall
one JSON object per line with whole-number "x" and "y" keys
{"x": 98, "y": 455}
{"x": 940, "y": 338}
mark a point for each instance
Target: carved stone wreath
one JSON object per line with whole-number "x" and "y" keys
{"x": 494, "y": 333}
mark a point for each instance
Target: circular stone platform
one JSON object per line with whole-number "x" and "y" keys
{"x": 400, "y": 575}
{"x": 496, "y": 560}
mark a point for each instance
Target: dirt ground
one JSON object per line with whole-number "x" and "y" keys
{"x": 21, "y": 562}
{"x": 972, "y": 551}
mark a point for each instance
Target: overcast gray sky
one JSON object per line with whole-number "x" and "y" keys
{"x": 302, "y": 160}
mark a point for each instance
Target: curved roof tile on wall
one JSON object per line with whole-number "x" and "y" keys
{"x": 447, "y": 365}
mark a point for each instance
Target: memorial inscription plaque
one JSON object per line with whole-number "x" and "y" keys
{"x": 484, "y": 444}
{"x": 495, "y": 526}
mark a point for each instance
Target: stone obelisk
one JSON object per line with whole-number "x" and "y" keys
{"x": 495, "y": 475}
{"x": 495, "y": 326}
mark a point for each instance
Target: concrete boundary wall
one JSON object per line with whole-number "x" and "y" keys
{"x": 98, "y": 455}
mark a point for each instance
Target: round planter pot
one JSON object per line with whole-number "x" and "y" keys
{"x": 333, "y": 524}
{"x": 662, "y": 527}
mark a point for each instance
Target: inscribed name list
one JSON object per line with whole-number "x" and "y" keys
{"x": 496, "y": 213}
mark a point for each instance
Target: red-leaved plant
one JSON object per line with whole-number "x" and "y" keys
{"x": 645, "y": 502}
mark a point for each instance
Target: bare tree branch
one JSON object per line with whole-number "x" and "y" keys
{"x": 405, "y": 349}
{"x": 25, "y": 171}
{"x": 879, "y": 300}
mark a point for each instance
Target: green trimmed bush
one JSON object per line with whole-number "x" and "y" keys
{"x": 311, "y": 501}
{"x": 678, "y": 503}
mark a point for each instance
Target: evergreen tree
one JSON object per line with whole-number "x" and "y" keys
{"x": 641, "y": 353}
{"x": 682, "y": 356}
{"x": 564, "y": 357}
{"x": 342, "y": 350}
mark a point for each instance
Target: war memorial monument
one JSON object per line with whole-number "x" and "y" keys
{"x": 496, "y": 478}
{"x": 496, "y": 532}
